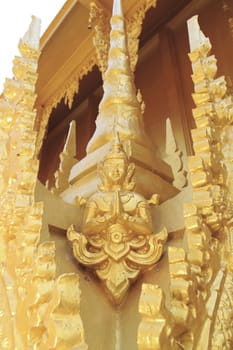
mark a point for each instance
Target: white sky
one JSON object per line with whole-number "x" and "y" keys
{"x": 15, "y": 17}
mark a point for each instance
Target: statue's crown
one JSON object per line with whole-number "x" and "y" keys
{"x": 116, "y": 150}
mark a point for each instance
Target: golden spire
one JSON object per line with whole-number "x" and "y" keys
{"x": 119, "y": 109}
{"x": 116, "y": 150}
{"x": 120, "y": 112}
{"x": 117, "y": 8}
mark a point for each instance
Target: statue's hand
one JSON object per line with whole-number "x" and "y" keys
{"x": 127, "y": 218}
{"x": 112, "y": 217}
{"x": 107, "y": 218}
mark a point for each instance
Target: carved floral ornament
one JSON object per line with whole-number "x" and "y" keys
{"x": 116, "y": 238}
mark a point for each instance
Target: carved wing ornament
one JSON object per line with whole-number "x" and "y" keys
{"x": 81, "y": 250}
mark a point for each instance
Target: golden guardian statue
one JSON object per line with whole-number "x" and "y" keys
{"x": 117, "y": 239}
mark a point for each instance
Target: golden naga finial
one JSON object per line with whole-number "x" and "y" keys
{"x": 116, "y": 239}
{"x": 119, "y": 107}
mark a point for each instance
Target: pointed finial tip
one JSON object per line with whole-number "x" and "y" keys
{"x": 196, "y": 36}
{"x": 116, "y": 135}
{"x": 117, "y": 8}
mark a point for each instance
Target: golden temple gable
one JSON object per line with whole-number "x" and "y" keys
{"x": 116, "y": 190}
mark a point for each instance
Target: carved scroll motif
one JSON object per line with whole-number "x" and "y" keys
{"x": 68, "y": 325}
{"x": 154, "y": 331}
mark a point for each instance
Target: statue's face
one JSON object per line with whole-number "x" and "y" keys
{"x": 115, "y": 170}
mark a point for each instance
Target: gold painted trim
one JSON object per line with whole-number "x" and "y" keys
{"x": 58, "y": 19}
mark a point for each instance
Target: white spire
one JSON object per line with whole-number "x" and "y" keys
{"x": 117, "y": 8}
{"x": 119, "y": 109}
{"x": 171, "y": 146}
{"x": 32, "y": 36}
{"x": 196, "y": 36}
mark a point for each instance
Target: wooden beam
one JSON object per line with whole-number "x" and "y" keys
{"x": 58, "y": 19}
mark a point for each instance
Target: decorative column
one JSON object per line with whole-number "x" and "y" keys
{"x": 28, "y": 289}
{"x": 200, "y": 299}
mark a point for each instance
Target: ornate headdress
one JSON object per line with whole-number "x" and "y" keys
{"x": 116, "y": 150}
